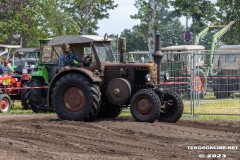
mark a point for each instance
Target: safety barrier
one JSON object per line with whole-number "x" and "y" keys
{"x": 208, "y": 81}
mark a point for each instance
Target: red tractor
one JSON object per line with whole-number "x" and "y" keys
{"x": 10, "y": 89}
{"x": 12, "y": 86}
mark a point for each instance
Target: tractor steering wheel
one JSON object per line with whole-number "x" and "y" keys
{"x": 87, "y": 61}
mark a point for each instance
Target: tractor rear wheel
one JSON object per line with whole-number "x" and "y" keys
{"x": 5, "y": 103}
{"x": 145, "y": 106}
{"x": 74, "y": 97}
{"x": 37, "y": 97}
{"x": 171, "y": 107}
{"x": 25, "y": 97}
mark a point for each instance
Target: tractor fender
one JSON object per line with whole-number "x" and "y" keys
{"x": 79, "y": 71}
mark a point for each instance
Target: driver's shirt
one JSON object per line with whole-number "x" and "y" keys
{"x": 68, "y": 60}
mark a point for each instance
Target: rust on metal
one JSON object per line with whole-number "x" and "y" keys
{"x": 144, "y": 106}
{"x": 74, "y": 99}
{"x": 119, "y": 91}
{"x": 4, "y": 104}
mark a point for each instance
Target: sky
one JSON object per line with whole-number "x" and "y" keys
{"x": 119, "y": 18}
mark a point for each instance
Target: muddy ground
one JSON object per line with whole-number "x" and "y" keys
{"x": 47, "y": 137}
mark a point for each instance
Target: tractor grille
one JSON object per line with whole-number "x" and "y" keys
{"x": 139, "y": 75}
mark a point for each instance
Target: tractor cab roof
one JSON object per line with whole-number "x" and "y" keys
{"x": 28, "y": 50}
{"x": 230, "y": 48}
{"x": 183, "y": 48}
{"x": 73, "y": 39}
{"x": 6, "y": 49}
{"x": 9, "y": 46}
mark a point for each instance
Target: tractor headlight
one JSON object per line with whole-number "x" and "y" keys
{"x": 147, "y": 78}
{"x": 165, "y": 76}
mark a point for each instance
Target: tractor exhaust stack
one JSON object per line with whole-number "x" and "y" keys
{"x": 158, "y": 55}
{"x": 122, "y": 48}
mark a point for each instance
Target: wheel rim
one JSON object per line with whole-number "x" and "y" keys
{"x": 198, "y": 85}
{"x": 144, "y": 106}
{"x": 168, "y": 105}
{"x": 4, "y": 104}
{"x": 74, "y": 99}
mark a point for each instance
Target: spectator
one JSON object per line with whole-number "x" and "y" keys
{"x": 7, "y": 69}
{"x": 1, "y": 69}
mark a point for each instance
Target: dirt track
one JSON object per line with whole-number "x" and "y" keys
{"x": 47, "y": 137}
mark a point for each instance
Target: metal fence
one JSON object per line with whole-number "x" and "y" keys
{"x": 209, "y": 82}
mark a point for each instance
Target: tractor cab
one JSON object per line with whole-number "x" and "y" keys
{"x": 47, "y": 65}
{"x": 94, "y": 51}
{"x": 185, "y": 63}
{"x": 178, "y": 58}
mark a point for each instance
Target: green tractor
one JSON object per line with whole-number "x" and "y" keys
{"x": 101, "y": 86}
{"x": 41, "y": 76}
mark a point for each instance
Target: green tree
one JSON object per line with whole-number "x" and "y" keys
{"x": 230, "y": 11}
{"x": 87, "y": 13}
{"x": 164, "y": 22}
{"x": 149, "y": 13}
{"x": 55, "y": 19}
{"x": 136, "y": 38}
{"x": 18, "y": 16}
{"x": 36, "y": 19}
{"x": 201, "y": 12}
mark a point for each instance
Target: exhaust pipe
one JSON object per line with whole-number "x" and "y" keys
{"x": 158, "y": 55}
{"x": 122, "y": 48}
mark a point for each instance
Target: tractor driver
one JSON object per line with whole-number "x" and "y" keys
{"x": 67, "y": 58}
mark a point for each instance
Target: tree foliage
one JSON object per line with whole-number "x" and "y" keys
{"x": 229, "y": 10}
{"x": 36, "y": 19}
{"x": 165, "y": 23}
{"x": 136, "y": 38}
{"x": 87, "y": 13}
{"x": 149, "y": 14}
{"x": 201, "y": 12}
{"x": 18, "y": 17}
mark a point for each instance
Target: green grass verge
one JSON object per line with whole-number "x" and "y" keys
{"x": 126, "y": 113}
{"x": 17, "y": 109}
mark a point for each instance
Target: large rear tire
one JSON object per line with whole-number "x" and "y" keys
{"x": 25, "y": 95}
{"x": 5, "y": 103}
{"x": 145, "y": 106}
{"x": 37, "y": 97}
{"x": 172, "y": 107}
{"x": 74, "y": 97}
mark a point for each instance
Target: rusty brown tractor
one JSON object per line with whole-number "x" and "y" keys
{"x": 102, "y": 87}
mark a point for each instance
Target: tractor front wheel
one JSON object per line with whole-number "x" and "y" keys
{"x": 145, "y": 106}
{"x": 5, "y": 103}
{"x": 74, "y": 97}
